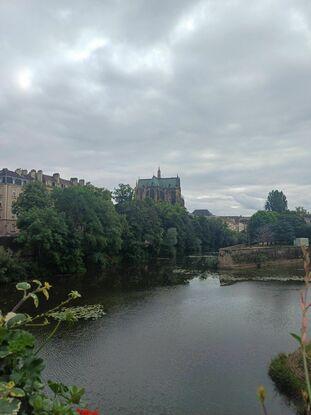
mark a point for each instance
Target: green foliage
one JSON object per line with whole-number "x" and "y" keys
{"x": 35, "y": 195}
{"x": 44, "y": 236}
{"x": 79, "y": 229}
{"x": 142, "y": 231}
{"x": 87, "y": 312}
{"x": 22, "y": 390}
{"x": 301, "y": 211}
{"x": 284, "y": 378}
{"x": 169, "y": 242}
{"x": 93, "y": 223}
{"x": 273, "y": 227}
{"x": 123, "y": 194}
{"x": 276, "y": 202}
{"x": 260, "y": 226}
{"x": 11, "y": 268}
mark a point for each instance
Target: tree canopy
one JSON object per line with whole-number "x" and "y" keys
{"x": 74, "y": 229}
{"x": 276, "y": 202}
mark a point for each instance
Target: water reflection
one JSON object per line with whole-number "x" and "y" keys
{"x": 193, "y": 348}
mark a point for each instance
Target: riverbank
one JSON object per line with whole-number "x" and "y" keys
{"x": 247, "y": 257}
{"x": 287, "y": 372}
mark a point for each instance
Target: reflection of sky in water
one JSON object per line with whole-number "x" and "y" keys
{"x": 198, "y": 348}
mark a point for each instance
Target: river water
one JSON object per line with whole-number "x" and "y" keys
{"x": 191, "y": 349}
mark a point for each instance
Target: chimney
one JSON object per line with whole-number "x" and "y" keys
{"x": 24, "y": 172}
{"x": 74, "y": 180}
{"x": 56, "y": 177}
{"x": 33, "y": 173}
{"x": 81, "y": 182}
{"x": 18, "y": 171}
{"x": 40, "y": 175}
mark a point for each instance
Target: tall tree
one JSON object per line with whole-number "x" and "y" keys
{"x": 92, "y": 220}
{"x": 123, "y": 194}
{"x": 276, "y": 202}
{"x": 260, "y": 226}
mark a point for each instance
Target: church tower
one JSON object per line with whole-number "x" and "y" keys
{"x": 159, "y": 173}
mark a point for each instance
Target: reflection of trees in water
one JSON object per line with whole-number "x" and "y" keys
{"x": 160, "y": 273}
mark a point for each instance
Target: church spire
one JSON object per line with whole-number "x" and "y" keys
{"x": 159, "y": 173}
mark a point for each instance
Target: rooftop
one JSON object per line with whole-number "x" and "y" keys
{"x": 164, "y": 182}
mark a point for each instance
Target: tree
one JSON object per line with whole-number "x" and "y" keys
{"x": 301, "y": 211}
{"x": 284, "y": 232}
{"x": 123, "y": 194}
{"x": 36, "y": 195}
{"x": 276, "y": 202}
{"x": 45, "y": 238}
{"x": 142, "y": 231}
{"x": 265, "y": 234}
{"x": 92, "y": 221}
{"x": 170, "y": 242}
{"x": 259, "y": 226}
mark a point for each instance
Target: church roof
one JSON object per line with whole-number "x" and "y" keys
{"x": 164, "y": 182}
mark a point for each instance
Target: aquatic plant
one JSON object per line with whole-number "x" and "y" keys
{"x": 22, "y": 390}
{"x": 86, "y": 312}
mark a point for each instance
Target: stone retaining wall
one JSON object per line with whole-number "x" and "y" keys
{"x": 241, "y": 256}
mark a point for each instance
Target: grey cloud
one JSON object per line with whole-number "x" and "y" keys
{"x": 216, "y": 91}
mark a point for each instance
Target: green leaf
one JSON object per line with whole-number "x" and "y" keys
{"x": 296, "y": 337}
{"x": 46, "y": 293}
{"x": 74, "y": 295}
{"x": 20, "y": 341}
{"x": 35, "y": 299}
{"x": 3, "y": 387}
{"x": 17, "y": 393}
{"x": 4, "y": 352}
{"x": 58, "y": 388}
{"x": 75, "y": 394}
{"x": 17, "y": 319}
{"x": 9, "y": 406}
{"x": 23, "y": 286}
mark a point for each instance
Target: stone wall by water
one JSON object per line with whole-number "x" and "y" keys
{"x": 241, "y": 256}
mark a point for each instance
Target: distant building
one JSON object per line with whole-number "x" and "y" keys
{"x": 160, "y": 189}
{"x": 11, "y": 186}
{"x": 235, "y": 223}
{"x": 301, "y": 242}
{"x": 307, "y": 219}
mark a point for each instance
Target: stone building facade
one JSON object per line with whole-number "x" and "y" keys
{"x": 160, "y": 189}
{"x": 235, "y": 223}
{"x": 11, "y": 186}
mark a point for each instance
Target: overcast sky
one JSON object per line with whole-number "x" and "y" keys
{"x": 217, "y": 91}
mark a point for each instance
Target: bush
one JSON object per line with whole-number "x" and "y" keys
{"x": 11, "y": 267}
{"x": 22, "y": 389}
{"x": 284, "y": 378}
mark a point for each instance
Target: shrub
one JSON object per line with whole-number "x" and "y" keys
{"x": 11, "y": 267}
{"x": 22, "y": 390}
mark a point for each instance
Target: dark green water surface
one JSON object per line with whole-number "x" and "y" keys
{"x": 190, "y": 349}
